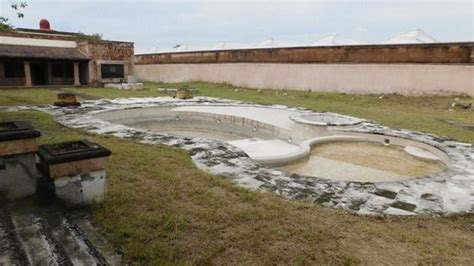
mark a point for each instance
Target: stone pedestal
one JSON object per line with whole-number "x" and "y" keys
{"x": 183, "y": 94}
{"x": 67, "y": 99}
{"x": 77, "y": 170}
{"x": 77, "y": 81}
{"x": 18, "y": 172}
{"x": 28, "y": 82}
{"x": 82, "y": 189}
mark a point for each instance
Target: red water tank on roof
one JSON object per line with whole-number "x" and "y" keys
{"x": 44, "y": 24}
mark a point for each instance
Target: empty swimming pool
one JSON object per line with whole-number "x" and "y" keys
{"x": 307, "y": 144}
{"x": 326, "y": 158}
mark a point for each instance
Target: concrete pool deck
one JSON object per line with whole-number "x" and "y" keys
{"x": 445, "y": 192}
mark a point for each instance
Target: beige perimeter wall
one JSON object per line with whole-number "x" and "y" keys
{"x": 405, "y": 79}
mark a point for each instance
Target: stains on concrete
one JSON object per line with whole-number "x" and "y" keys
{"x": 404, "y": 206}
{"x": 30, "y": 235}
{"x": 11, "y": 250}
{"x": 386, "y": 193}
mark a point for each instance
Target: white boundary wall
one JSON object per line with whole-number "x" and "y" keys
{"x": 407, "y": 79}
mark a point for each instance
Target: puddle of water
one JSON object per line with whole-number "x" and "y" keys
{"x": 362, "y": 161}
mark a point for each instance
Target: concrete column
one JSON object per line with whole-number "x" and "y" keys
{"x": 28, "y": 82}
{"x": 77, "y": 81}
{"x": 49, "y": 79}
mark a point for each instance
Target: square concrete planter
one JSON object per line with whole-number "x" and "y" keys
{"x": 77, "y": 169}
{"x": 17, "y": 137}
{"x": 67, "y": 99}
{"x": 183, "y": 94}
{"x": 18, "y": 147}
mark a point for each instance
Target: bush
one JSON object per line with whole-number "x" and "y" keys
{"x": 82, "y": 37}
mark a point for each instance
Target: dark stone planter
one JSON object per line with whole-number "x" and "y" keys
{"x": 12, "y": 130}
{"x": 77, "y": 169}
{"x": 18, "y": 171}
{"x": 71, "y": 151}
{"x": 17, "y": 137}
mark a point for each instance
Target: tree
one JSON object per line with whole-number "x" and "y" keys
{"x": 18, "y": 7}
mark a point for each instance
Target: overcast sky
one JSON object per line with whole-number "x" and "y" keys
{"x": 163, "y": 24}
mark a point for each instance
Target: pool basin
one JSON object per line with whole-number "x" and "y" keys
{"x": 274, "y": 138}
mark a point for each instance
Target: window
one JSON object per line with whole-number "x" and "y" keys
{"x": 14, "y": 69}
{"x": 62, "y": 70}
{"x": 112, "y": 71}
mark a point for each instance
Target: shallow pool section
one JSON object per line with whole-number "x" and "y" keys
{"x": 362, "y": 162}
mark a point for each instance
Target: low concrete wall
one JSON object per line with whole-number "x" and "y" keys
{"x": 407, "y": 79}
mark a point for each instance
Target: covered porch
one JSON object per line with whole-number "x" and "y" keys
{"x": 42, "y": 66}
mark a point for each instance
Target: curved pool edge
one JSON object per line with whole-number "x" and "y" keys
{"x": 442, "y": 193}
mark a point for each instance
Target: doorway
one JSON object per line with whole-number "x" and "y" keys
{"x": 39, "y": 73}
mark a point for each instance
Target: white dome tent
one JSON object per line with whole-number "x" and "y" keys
{"x": 413, "y": 36}
{"x": 152, "y": 50}
{"x": 229, "y": 46}
{"x": 221, "y": 46}
{"x": 271, "y": 43}
{"x": 335, "y": 39}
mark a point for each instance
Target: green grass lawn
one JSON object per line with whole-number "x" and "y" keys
{"x": 26, "y": 96}
{"x": 161, "y": 209}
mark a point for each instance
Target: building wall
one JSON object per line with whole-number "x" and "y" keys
{"x": 12, "y": 82}
{"x": 99, "y": 52}
{"x": 107, "y": 53}
{"x": 4, "y": 81}
{"x": 61, "y": 81}
{"x": 442, "y": 68}
{"x": 405, "y": 79}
